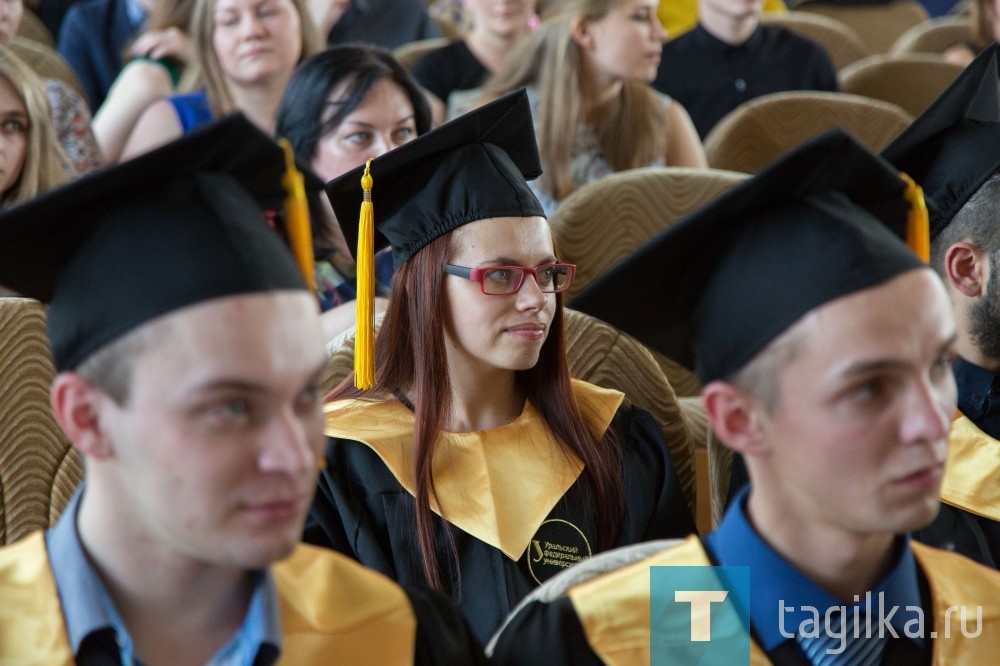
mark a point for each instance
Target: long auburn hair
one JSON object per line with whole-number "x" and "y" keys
{"x": 204, "y": 69}
{"x": 630, "y": 128}
{"x": 416, "y": 313}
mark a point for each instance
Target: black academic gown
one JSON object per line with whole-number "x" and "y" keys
{"x": 363, "y": 510}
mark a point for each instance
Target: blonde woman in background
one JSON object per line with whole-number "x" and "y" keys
{"x": 497, "y": 27}
{"x": 31, "y": 161}
{"x": 587, "y": 70}
{"x": 244, "y": 53}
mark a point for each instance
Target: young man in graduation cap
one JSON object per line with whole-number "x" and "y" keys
{"x": 824, "y": 346}
{"x": 189, "y": 353}
{"x": 953, "y": 151}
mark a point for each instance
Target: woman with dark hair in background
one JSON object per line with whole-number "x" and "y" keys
{"x": 342, "y": 107}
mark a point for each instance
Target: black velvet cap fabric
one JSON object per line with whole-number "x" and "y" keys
{"x": 713, "y": 290}
{"x": 954, "y": 146}
{"x": 180, "y": 225}
{"x": 472, "y": 168}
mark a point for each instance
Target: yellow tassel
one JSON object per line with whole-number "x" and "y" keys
{"x": 297, "y": 216}
{"x": 364, "y": 336}
{"x": 918, "y": 227}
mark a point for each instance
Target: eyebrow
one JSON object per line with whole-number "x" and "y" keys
{"x": 507, "y": 261}
{"x": 882, "y": 365}
{"x": 361, "y": 123}
{"x": 244, "y": 386}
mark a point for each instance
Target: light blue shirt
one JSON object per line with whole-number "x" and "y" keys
{"x": 773, "y": 578}
{"x": 88, "y": 607}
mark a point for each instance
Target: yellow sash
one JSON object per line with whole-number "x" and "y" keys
{"x": 333, "y": 610}
{"x": 498, "y": 485}
{"x": 614, "y": 608}
{"x": 971, "y": 479}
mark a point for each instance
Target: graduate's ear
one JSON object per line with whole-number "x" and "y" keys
{"x": 579, "y": 30}
{"x": 76, "y": 404}
{"x": 734, "y": 416}
{"x": 967, "y": 268}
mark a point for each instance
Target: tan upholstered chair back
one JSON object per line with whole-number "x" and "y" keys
{"x": 46, "y": 62}
{"x": 756, "y": 133}
{"x": 602, "y": 355}
{"x": 409, "y": 54}
{"x": 841, "y": 42}
{"x": 31, "y": 27}
{"x": 878, "y": 25}
{"x": 603, "y": 222}
{"x": 935, "y": 35}
{"x": 38, "y": 469}
{"x": 911, "y": 81}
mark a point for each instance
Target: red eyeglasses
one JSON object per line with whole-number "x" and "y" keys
{"x": 502, "y": 280}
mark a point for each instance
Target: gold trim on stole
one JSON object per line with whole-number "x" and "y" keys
{"x": 333, "y": 610}
{"x": 498, "y": 485}
{"x": 971, "y": 474}
{"x": 32, "y": 630}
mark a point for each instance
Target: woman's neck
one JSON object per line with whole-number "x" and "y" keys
{"x": 596, "y": 90}
{"x": 491, "y": 49}
{"x": 260, "y": 103}
{"x": 484, "y": 403}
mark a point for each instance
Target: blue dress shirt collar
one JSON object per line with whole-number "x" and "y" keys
{"x": 776, "y": 583}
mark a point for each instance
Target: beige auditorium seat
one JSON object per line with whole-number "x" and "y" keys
{"x": 603, "y": 222}
{"x": 935, "y": 35}
{"x": 878, "y": 25}
{"x": 46, "y": 62}
{"x": 38, "y": 469}
{"x": 409, "y": 54}
{"x": 31, "y": 27}
{"x": 602, "y": 355}
{"x": 911, "y": 81}
{"x": 841, "y": 42}
{"x": 756, "y": 133}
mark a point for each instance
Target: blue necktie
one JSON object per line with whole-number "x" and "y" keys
{"x": 858, "y": 650}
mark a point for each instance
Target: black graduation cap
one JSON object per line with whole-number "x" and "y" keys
{"x": 472, "y": 168}
{"x": 713, "y": 290}
{"x": 954, "y": 146}
{"x": 177, "y": 226}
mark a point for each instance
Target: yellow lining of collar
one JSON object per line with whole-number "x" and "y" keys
{"x": 970, "y": 475}
{"x": 498, "y": 485}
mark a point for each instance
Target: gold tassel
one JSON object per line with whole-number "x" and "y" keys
{"x": 297, "y": 216}
{"x": 364, "y": 335}
{"x": 918, "y": 227}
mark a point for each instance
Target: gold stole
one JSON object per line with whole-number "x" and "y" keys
{"x": 971, "y": 478}
{"x": 614, "y": 608}
{"x": 498, "y": 485}
{"x": 332, "y": 610}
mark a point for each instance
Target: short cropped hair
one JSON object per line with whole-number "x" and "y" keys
{"x": 976, "y": 222}
{"x": 759, "y": 377}
{"x": 111, "y": 367}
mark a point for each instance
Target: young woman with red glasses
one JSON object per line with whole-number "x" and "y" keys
{"x": 474, "y": 464}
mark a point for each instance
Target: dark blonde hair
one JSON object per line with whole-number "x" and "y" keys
{"x": 45, "y": 165}
{"x": 204, "y": 70}
{"x": 631, "y": 128}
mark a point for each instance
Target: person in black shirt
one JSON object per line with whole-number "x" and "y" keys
{"x": 730, "y": 58}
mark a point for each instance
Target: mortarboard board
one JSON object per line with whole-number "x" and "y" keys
{"x": 174, "y": 227}
{"x": 954, "y": 146}
{"x": 472, "y": 168}
{"x": 713, "y": 290}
